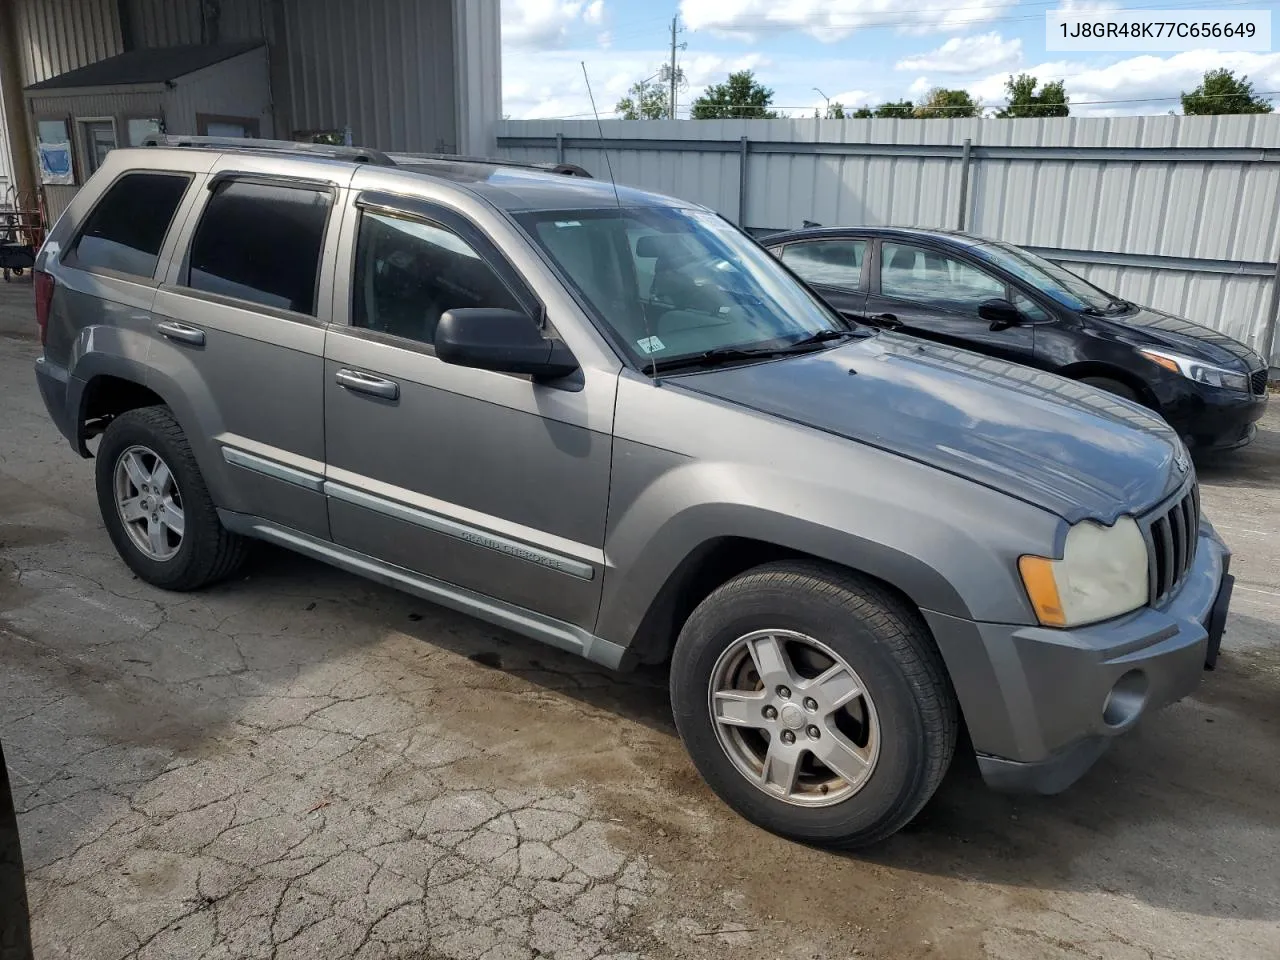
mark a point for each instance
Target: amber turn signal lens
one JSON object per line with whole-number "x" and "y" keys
{"x": 1042, "y": 589}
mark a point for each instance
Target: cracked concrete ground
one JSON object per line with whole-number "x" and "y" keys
{"x": 303, "y": 764}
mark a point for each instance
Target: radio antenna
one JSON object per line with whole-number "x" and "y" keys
{"x": 600, "y": 132}
{"x": 648, "y": 346}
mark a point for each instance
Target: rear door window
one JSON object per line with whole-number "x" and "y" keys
{"x": 261, "y": 242}
{"x": 127, "y": 228}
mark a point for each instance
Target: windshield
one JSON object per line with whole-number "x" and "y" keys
{"x": 1049, "y": 278}
{"x": 676, "y": 283}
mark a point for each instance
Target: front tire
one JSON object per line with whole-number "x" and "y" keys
{"x": 156, "y": 506}
{"x": 1114, "y": 387}
{"x": 814, "y": 702}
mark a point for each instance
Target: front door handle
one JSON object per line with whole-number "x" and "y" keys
{"x": 359, "y": 382}
{"x": 180, "y": 332}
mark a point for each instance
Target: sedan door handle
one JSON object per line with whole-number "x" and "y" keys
{"x": 359, "y": 382}
{"x": 180, "y": 332}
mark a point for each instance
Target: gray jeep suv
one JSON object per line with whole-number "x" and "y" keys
{"x": 610, "y": 421}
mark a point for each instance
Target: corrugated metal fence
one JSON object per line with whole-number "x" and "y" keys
{"x": 1175, "y": 212}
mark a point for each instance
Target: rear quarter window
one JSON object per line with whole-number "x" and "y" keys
{"x": 126, "y": 229}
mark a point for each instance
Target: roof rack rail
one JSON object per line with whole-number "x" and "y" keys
{"x": 253, "y": 145}
{"x": 567, "y": 169}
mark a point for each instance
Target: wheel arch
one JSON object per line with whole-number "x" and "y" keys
{"x": 1098, "y": 368}
{"x": 702, "y": 567}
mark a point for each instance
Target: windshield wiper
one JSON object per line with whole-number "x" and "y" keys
{"x": 827, "y": 336}
{"x": 714, "y": 358}
{"x": 722, "y": 355}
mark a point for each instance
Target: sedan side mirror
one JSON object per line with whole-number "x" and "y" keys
{"x": 508, "y": 341}
{"x": 1001, "y": 313}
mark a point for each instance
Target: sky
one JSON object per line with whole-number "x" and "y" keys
{"x": 857, "y": 52}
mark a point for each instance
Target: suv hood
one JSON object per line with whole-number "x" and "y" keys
{"x": 1057, "y": 444}
{"x": 1147, "y": 327}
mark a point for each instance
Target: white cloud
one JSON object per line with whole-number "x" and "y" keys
{"x": 919, "y": 87}
{"x": 832, "y": 20}
{"x": 544, "y": 24}
{"x": 549, "y": 83}
{"x": 1129, "y": 86}
{"x": 986, "y": 51}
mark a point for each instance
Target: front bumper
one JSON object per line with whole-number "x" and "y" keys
{"x": 1210, "y": 419}
{"x": 1065, "y": 694}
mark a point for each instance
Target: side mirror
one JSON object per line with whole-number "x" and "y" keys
{"x": 489, "y": 338}
{"x": 1001, "y": 313}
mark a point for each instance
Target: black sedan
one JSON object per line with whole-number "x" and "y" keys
{"x": 1005, "y": 301}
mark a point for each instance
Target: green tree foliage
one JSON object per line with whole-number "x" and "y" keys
{"x": 863, "y": 113}
{"x": 896, "y": 109}
{"x": 1221, "y": 92}
{"x": 650, "y": 99}
{"x": 1024, "y": 101}
{"x": 739, "y": 97}
{"x": 947, "y": 103}
{"x": 647, "y": 101}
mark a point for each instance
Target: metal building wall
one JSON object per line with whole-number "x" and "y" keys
{"x": 140, "y": 101}
{"x": 238, "y": 87}
{"x": 55, "y": 36}
{"x": 386, "y": 67}
{"x": 173, "y": 23}
{"x": 1176, "y": 212}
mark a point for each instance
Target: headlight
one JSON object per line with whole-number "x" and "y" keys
{"x": 1102, "y": 574}
{"x": 1198, "y": 370}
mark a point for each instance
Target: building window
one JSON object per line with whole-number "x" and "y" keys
{"x": 99, "y": 139}
{"x": 53, "y": 146}
{"x": 209, "y": 125}
{"x": 139, "y": 128}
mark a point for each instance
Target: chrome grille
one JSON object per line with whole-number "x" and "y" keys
{"x": 1172, "y": 532}
{"x": 1258, "y": 381}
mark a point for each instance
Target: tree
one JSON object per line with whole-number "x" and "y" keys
{"x": 1051, "y": 101}
{"x": 947, "y": 103}
{"x": 1220, "y": 92}
{"x": 863, "y": 113}
{"x": 740, "y": 97}
{"x": 896, "y": 109}
{"x": 650, "y": 99}
{"x": 645, "y": 101}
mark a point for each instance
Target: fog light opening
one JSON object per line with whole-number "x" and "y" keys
{"x": 1126, "y": 699}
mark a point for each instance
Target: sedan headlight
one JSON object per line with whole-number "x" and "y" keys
{"x": 1102, "y": 574}
{"x": 1198, "y": 370}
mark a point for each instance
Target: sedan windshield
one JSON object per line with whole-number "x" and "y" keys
{"x": 1049, "y": 278}
{"x": 676, "y": 285}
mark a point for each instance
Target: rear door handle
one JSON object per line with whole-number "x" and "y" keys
{"x": 181, "y": 333}
{"x": 359, "y": 382}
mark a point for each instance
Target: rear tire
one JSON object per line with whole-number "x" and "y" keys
{"x": 156, "y": 506}
{"x": 766, "y": 756}
{"x": 1115, "y": 387}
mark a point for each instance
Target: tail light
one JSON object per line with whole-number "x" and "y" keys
{"x": 44, "y": 284}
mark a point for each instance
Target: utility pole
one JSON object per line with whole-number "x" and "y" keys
{"x": 675, "y": 29}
